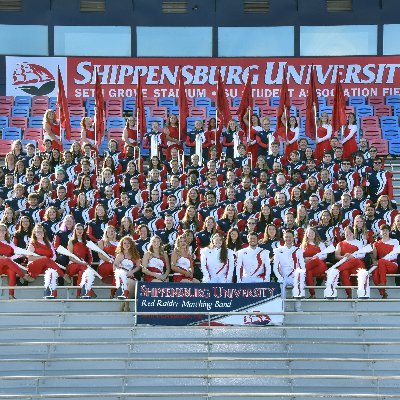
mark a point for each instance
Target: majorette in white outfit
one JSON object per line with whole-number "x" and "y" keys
{"x": 214, "y": 271}
{"x": 253, "y": 265}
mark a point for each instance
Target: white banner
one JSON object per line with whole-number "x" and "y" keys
{"x": 34, "y": 76}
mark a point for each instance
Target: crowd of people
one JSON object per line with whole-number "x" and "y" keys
{"x": 242, "y": 204}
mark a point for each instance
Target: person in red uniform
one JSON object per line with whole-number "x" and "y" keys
{"x": 108, "y": 244}
{"x": 252, "y": 146}
{"x": 45, "y": 254}
{"x": 87, "y": 131}
{"x": 182, "y": 261}
{"x": 173, "y": 137}
{"x": 386, "y": 263}
{"x": 345, "y": 249}
{"x": 51, "y": 129}
{"x": 324, "y": 134}
{"x": 292, "y": 137}
{"x": 7, "y": 266}
{"x": 77, "y": 246}
{"x": 130, "y": 133}
{"x": 315, "y": 264}
{"x": 155, "y": 265}
{"x": 349, "y": 140}
{"x": 127, "y": 258}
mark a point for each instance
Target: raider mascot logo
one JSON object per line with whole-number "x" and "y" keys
{"x": 33, "y": 79}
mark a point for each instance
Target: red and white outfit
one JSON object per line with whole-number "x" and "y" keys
{"x": 315, "y": 267}
{"x": 324, "y": 134}
{"x": 292, "y": 139}
{"x": 214, "y": 271}
{"x": 349, "y": 141}
{"x": 286, "y": 260}
{"x": 55, "y": 128}
{"x": 253, "y": 148}
{"x": 387, "y": 264}
{"x": 132, "y": 136}
{"x": 174, "y": 134}
{"x": 350, "y": 266}
{"x": 156, "y": 265}
{"x": 105, "y": 267}
{"x": 76, "y": 269}
{"x": 9, "y": 267}
{"x": 253, "y": 265}
{"x": 183, "y": 263}
{"x": 40, "y": 265}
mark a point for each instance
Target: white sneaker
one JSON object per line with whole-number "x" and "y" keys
{"x": 297, "y": 306}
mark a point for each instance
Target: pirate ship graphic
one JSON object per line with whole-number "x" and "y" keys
{"x": 33, "y": 79}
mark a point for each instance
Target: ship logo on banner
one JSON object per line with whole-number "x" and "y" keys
{"x": 200, "y": 304}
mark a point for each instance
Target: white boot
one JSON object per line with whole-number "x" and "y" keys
{"x": 297, "y": 306}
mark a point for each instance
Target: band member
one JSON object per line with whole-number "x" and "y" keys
{"x": 217, "y": 262}
{"x": 182, "y": 261}
{"x": 44, "y": 255}
{"x": 126, "y": 265}
{"x": 344, "y": 249}
{"x": 384, "y": 259}
{"x": 287, "y": 258}
{"x": 155, "y": 265}
{"x": 312, "y": 245}
{"x": 253, "y": 262}
{"x": 7, "y": 266}
{"x": 77, "y": 246}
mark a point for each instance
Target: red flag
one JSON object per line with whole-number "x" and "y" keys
{"x": 339, "y": 106}
{"x": 62, "y": 111}
{"x": 99, "y": 110}
{"x": 284, "y": 101}
{"x": 224, "y": 112}
{"x": 140, "y": 112}
{"x": 183, "y": 105}
{"x": 312, "y": 107}
{"x": 245, "y": 103}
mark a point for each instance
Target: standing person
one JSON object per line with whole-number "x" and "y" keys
{"x": 51, "y": 129}
{"x": 155, "y": 265}
{"x": 182, "y": 261}
{"x": 324, "y": 134}
{"x": 45, "y": 254}
{"x": 292, "y": 138}
{"x": 345, "y": 249}
{"x": 87, "y": 131}
{"x": 126, "y": 264}
{"x": 349, "y": 141}
{"x": 253, "y": 262}
{"x": 77, "y": 246}
{"x": 315, "y": 264}
{"x": 130, "y": 133}
{"x": 172, "y": 135}
{"x": 287, "y": 258}
{"x": 382, "y": 258}
{"x": 7, "y": 266}
{"x": 217, "y": 262}
{"x": 231, "y": 135}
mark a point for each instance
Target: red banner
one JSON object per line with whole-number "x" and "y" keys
{"x": 361, "y": 76}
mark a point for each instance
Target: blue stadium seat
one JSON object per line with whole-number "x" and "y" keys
{"x": 173, "y": 110}
{"x": 90, "y": 103}
{"x": 391, "y": 133}
{"x": 75, "y": 122}
{"x": 12, "y": 133}
{"x": 35, "y": 122}
{"x": 302, "y": 122}
{"x": 3, "y": 122}
{"x": 322, "y": 101}
{"x": 115, "y": 122}
{"x": 53, "y": 103}
{"x": 256, "y": 110}
{"x": 325, "y": 109}
{"x": 129, "y": 103}
{"x": 394, "y": 148}
{"x": 20, "y": 111}
{"x": 150, "y": 120}
{"x": 274, "y": 101}
{"x": 272, "y": 119}
{"x": 190, "y": 123}
{"x": 389, "y": 122}
{"x": 236, "y": 101}
{"x": 25, "y": 101}
{"x": 90, "y": 112}
{"x": 103, "y": 147}
{"x": 167, "y": 102}
{"x": 211, "y": 112}
{"x": 357, "y": 100}
{"x": 25, "y": 142}
{"x": 364, "y": 111}
{"x": 202, "y": 102}
{"x": 293, "y": 111}
{"x": 147, "y": 111}
{"x": 396, "y": 111}
{"x": 393, "y": 100}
